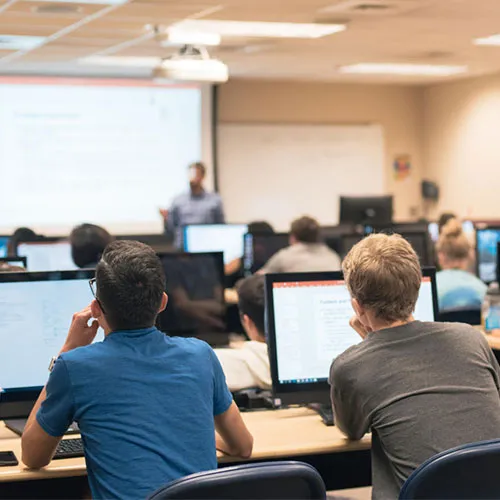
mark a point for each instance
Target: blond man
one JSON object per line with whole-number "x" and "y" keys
{"x": 420, "y": 388}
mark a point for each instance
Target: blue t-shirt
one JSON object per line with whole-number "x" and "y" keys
{"x": 145, "y": 404}
{"x": 459, "y": 289}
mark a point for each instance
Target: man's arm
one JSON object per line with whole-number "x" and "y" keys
{"x": 54, "y": 409}
{"x": 233, "y": 437}
{"x": 348, "y": 411}
{"x": 219, "y": 217}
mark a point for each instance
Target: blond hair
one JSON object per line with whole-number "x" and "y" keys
{"x": 452, "y": 242}
{"x": 383, "y": 274}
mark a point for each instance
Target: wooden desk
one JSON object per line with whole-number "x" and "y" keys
{"x": 283, "y": 434}
{"x": 493, "y": 340}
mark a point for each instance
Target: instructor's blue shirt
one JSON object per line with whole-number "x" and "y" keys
{"x": 145, "y": 404}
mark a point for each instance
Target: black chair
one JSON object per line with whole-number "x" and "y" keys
{"x": 460, "y": 315}
{"x": 257, "y": 481}
{"x": 469, "y": 471}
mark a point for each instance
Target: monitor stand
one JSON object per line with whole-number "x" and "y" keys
{"x": 324, "y": 411}
{"x": 17, "y": 425}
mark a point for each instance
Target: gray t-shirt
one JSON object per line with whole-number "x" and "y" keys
{"x": 421, "y": 388}
{"x": 303, "y": 258}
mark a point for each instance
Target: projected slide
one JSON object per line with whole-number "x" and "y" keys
{"x": 105, "y": 151}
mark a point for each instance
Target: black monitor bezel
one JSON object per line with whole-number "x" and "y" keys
{"x": 316, "y": 392}
{"x": 351, "y": 204}
{"x": 17, "y": 402}
{"x": 479, "y": 229}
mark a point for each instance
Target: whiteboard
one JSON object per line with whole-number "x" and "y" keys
{"x": 280, "y": 172}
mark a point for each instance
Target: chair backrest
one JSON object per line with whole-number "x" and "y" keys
{"x": 468, "y": 316}
{"x": 256, "y": 481}
{"x": 469, "y": 471}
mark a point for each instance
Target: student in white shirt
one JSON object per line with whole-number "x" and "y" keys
{"x": 248, "y": 366}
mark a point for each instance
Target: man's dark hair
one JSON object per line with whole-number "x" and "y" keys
{"x": 200, "y": 166}
{"x": 260, "y": 227}
{"x": 22, "y": 235}
{"x": 130, "y": 285}
{"x": 251, "y": 300}
{"x": 88, "y": 242}
{"x": 306, "y": 230}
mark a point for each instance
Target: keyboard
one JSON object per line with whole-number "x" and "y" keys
{"x": 325, "y": 412}
{"x": 69, "y": 448}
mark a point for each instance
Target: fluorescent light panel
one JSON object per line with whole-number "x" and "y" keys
{"x": 18, "y": 42}
{"x": 136, "y": 62}
{"x": 176, "y": 36}
{"x": 493, "y": 40}
{"x": 92, "y": 2}
{"x": 259, "y": 29}
{"x": 402, "y": 69}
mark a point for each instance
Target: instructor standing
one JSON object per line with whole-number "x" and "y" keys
{"x": 195, "y": 207}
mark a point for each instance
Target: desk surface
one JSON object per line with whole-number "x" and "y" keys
{"x": 493, "y": 340}
{"x": 277, "y": 434}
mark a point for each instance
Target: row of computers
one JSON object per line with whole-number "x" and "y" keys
{"x": 307, "y": 324}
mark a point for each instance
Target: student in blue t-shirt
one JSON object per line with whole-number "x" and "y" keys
{"x": 148, "y": 405}
{"x": 457, "y": 287}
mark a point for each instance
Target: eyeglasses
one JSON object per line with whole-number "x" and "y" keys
{"x": 93, "y": 289}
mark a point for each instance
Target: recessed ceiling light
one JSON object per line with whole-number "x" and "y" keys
{"x": 176, "y": 36}
{"x": 96, "y": 2}
{"x": 136, "y": 62}
{"x": 18, "y": 42}
{"x": 259, "y": 29}
{"x": 489, "y": 40}
{"x": 403, "y": 69}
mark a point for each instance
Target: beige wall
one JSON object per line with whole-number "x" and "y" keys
{"x": 397, "y": 108}
{"x": 462, "y": 145}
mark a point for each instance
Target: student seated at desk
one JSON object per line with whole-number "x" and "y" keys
{"x": 88, "y": 242}
{"x": 146, "y": 403}
{"x": 248, "y": 366}
{"x": 306, "y": 253}
{"x": 421, "y": 388}
{"x": 457, "y": 287}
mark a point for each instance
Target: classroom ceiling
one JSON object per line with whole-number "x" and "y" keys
{"x": 401, "y": 31}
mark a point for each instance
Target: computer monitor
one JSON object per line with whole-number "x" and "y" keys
{"x": 225, "y": 238}
{"x": 259, "y": 248}
{"x": 4, "y": 246}
{"x": 47, "y": 255}
{"x": 35, "y": 311}
{"x": 195, "y": 289}
{"x": 13, "y": 261}
{"x": 370, "y": 210}
{"x": 308, "y": 327}
{"x": 486, "y": 253}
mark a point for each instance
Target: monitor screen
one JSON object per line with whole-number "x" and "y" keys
{"x": 195, "y": 289}
{"x": 47, "y": 256}
{"x": 259, "y": 248}
{"x": 486, "y": 253}
{"x": 4, "y": 242}
{"x": 35, "y": 314}
{"x": 421, "y": 244}
{"x": 308, "y": 324}
{"x": 226, "y": 238}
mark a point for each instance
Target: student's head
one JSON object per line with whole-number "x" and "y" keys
{"x": 21, "y": 235}
{"x": 453, "y": 247}
{"x": 260, "y": 227}
{"x": 88, "y": 242}
{"x": 197, "y": 172}
{"x": 10, "y": 268}
{"x": 444, "y": 218}
{"x": 305, "y": 230}
{"x": 383, "y": 276}
{"x": 130, "y": 287}
{"x": 251, "y": 306}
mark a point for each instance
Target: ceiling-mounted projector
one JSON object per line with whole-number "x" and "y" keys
{"x": 192, "y": 64}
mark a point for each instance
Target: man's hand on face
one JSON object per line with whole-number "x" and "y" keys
{"x": 80, "y": 333}
{"x": 358, "y": 327}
